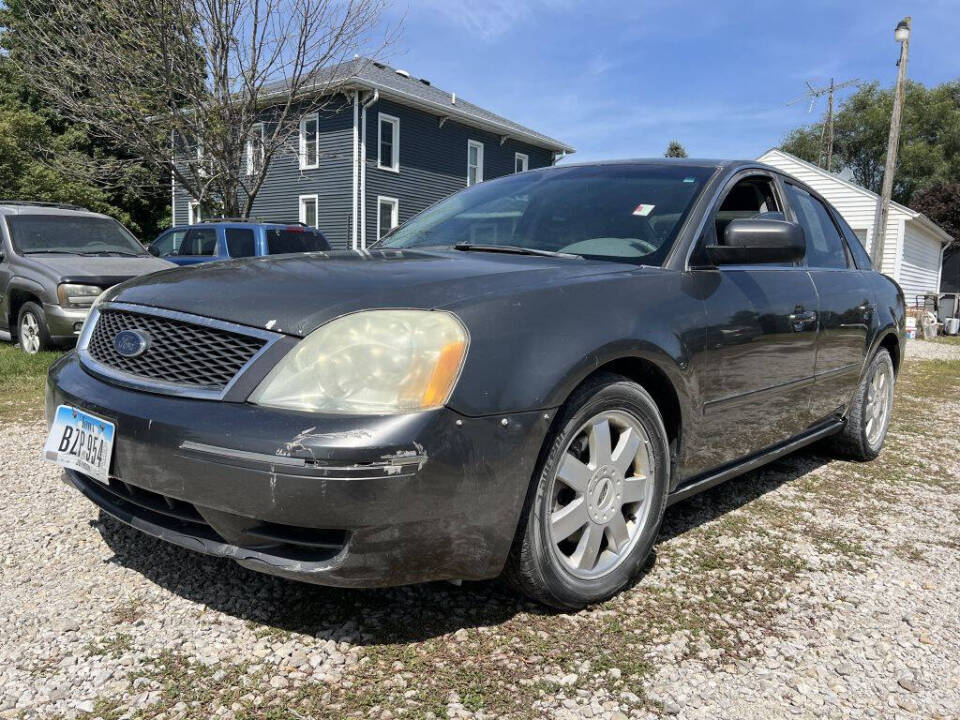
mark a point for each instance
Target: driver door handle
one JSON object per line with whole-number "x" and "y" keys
{"x": 800, "y": 318}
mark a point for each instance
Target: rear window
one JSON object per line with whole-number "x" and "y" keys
{"x": 294, "y": 240}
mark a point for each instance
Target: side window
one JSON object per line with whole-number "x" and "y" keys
{"x": 825, "y": 247}
{"x": 750, "y": 197}
{"x": 168, "y": 243}
{"x": 198, "y": 242}
{"x": 240, "y": 243}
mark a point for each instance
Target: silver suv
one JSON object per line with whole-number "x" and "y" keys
{"x": 54, "y": 262}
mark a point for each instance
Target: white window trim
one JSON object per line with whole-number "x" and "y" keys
{"x": 526, "y": 162}
{"x": 479, "y": 145}
{"x": 304, "y": 165}
{"x": 316, "y": 205}
{"x": 394, "y": 165}
{"x": 254, "y": 129}
{"x": 394, "y": 212}
{"x": 193, "y": 212}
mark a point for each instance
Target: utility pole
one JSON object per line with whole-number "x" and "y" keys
{"x": 825, "y": 149}
{"x": 830, "y": 125}
{"x": 902, "y": 36}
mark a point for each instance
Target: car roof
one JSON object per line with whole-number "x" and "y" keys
{"x": 6, "y": 209}
{"x": 675, "y": 162}
{"x": 241, "y": 224}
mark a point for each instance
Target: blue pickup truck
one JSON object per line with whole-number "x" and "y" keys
{"x": 223, "y": 240}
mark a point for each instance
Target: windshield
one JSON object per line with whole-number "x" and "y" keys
{"x": 71, "y": 234}
{"x": 616, "y": 212}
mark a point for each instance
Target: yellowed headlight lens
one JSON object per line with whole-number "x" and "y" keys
{"x": 373, "y": 362}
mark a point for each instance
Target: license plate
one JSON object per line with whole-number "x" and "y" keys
{"x": 80, "y": 441}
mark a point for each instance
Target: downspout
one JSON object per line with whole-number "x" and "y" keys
{"x": 173, "y": 181}
{"x": 363, "y": 167}
{"x": 353, "y": 194}
{"x": 943, "y": 250}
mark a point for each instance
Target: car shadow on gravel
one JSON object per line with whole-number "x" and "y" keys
{"x": 394, "y": 615}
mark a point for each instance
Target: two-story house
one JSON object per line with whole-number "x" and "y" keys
{"x": 388, "y": 146}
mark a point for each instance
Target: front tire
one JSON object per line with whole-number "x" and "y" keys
{"x": 600, "y": 493}
{"x": 32, "y": 329}
{"x": 867, "y": 421}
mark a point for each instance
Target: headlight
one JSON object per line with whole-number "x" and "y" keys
{"x": 374, "y": 362}
{"x": 71, "y": 295}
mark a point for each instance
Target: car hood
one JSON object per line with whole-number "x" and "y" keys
{"x": 295, "y": 294}
{"x": 103, "y": 271}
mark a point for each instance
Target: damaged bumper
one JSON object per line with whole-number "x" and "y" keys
{"x": 334, "y": 500}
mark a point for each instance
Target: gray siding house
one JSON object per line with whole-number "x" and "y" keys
{"x": 417, "y": 143}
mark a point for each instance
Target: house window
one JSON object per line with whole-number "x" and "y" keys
{"x": 310, "y": 141}
{"x": 193, "y": 213}
{"x": 255, "y": 149}
{"x": 388, "y": 215}
{"x": 308, "y": 210}
{"x": 521, "y": 162}
{"x": 388, "y": 142}
{"x": 474, "y": 162}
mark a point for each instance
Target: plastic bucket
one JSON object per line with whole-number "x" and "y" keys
{"x": 951, "y": 326}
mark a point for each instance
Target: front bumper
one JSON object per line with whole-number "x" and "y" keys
{"x": 64, "y": 323}
{"x": 334, "y": 500}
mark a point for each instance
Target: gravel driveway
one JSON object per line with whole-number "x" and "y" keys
{"x": 813, "y": 588}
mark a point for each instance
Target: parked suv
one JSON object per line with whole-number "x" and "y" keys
{"x": 226, "y": 239}
{"x": 54, "y": 262}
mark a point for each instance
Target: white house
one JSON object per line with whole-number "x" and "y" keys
{"x": 914, "y": 244}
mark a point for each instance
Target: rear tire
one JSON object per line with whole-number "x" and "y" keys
{"x": 32, "y": 331}
{"x": 867, "y": 421}
{"x": 597, "y": 499}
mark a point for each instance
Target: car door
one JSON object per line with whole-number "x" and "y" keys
{"x": 6, "y": 274}
{"x": 846, "y": 303}
{"x": 761, "y": 332}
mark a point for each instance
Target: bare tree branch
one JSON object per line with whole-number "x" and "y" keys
{"x": 181, "y": 86}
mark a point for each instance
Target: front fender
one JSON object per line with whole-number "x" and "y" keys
{"x": 529, "y": 350}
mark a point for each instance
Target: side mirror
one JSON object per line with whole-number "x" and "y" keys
{"x": 153, "y": 250}
{"x": 759, "y": 240}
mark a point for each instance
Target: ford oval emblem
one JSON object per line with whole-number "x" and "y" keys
{"x": 131, "y": 343}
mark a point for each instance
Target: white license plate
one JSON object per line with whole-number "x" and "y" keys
{"x": 80, "y": 441}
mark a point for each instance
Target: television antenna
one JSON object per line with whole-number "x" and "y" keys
{"x": 825, "y": 151}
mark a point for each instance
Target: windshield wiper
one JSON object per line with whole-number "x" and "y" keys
{"x": 515, "y": 250}
{"x": 105, "y": 253}
{"x": 51, "y": 252}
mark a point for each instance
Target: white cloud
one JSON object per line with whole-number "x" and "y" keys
{"x": 489, "y": 19}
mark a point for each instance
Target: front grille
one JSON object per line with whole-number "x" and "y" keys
{"x": 194, "y": 356}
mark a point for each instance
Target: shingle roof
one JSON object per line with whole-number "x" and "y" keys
{"x": 373, "y": 75}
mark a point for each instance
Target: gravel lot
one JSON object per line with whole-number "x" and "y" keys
{"x": 813, "y": 588}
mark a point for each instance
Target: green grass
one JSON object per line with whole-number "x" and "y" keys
{"x": 948, "y": 339}
{"x": 22, "y": 379}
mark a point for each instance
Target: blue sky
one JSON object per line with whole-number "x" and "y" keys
{"x": 621, "y": 79}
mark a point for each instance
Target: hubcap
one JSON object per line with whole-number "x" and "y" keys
{"x": 601, "y": 494}
{"x": 879, "y": 402}
{"x": 30, "y": 334}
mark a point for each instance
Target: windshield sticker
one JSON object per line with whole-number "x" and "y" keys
{"x": 689, "y": 179}
{"x": 643, "y": 209}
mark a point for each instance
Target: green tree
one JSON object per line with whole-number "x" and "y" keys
{"x": 38, "y": 150}
{"x": 675, "y": 150}
{"x": 941, "y": 203}
{"x": 929, "y": 142}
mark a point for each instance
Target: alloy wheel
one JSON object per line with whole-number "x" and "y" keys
{"x": 30, "y": 334}
{"x": 879, "y": 402}
{"x": 601, "y": 494}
